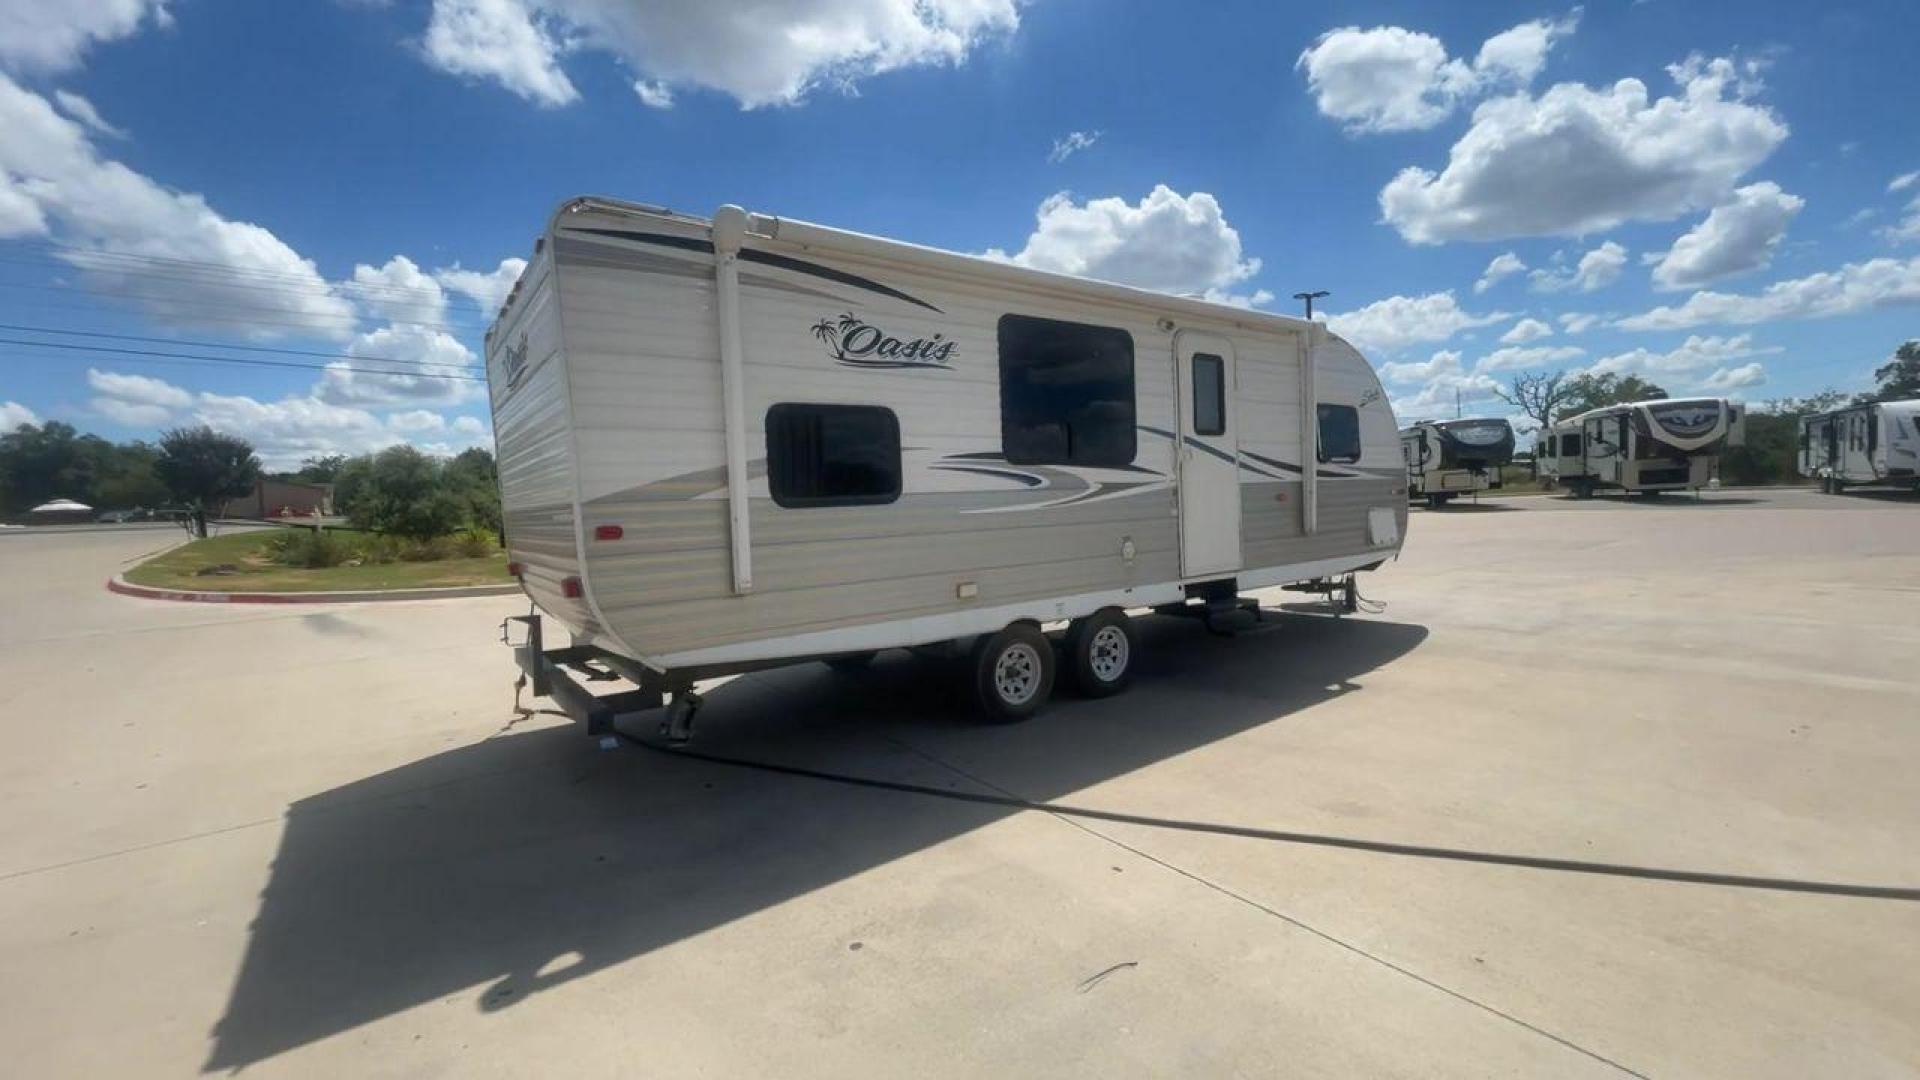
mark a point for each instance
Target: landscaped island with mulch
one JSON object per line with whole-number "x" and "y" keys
{"x": 308, "y": 560}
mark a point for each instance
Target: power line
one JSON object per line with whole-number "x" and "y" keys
{"x": 248, "y": 361}
{"x": 204, "y": 266}
{"x": 392, "y": 296}
{"x": 191, "y": 302}
{"x": 223, "y": 320}
{"x": 222, "y": 345}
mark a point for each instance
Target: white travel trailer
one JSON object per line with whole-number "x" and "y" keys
{"x": 1865, "y": 444}
{"x": 749, "y": 441}
{"x": 1644, "y": 446}
{"x": 1446, "y": 458}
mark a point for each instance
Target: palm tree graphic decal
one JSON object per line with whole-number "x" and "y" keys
{"x": 830, "y": 331}
{"x": 856, "y": 342}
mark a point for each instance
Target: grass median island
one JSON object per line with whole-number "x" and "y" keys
{"x": 284, "y": 560}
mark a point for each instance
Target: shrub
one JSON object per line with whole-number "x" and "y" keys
{"x": 403, "y": 492}
{"x": 378, "y": 550}
{"x": 474, "y": 543}
{"x": 432, "y": 549}
{"x": 311, "y": 548}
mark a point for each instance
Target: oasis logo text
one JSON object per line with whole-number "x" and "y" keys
{"x": 857, "y": 343}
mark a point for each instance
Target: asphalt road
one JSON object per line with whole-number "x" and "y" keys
{"x": 316, "y": 842}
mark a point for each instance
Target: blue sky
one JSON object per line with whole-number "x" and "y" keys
{"x": 351, "y": 178}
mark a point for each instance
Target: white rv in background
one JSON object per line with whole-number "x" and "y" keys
{"x": 750, "y": 441}
{"x": 1877, "y": 443}
{"x": 1446, "y": 458}
{"x": 1644, "y": 446}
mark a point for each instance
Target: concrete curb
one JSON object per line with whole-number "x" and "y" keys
{"x": 119, "y": 584}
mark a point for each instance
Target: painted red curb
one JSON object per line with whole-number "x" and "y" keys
{"x": 363, "y": 596}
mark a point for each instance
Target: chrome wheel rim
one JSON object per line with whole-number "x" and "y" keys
{"x": 1107, "y": 653}
{"x": 1016, "y": 674}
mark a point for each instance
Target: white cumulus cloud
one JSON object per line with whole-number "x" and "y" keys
{"x": 79, "y": 108}
{"x": 1578, "y": 322}
{"x": 1167, "y": 242}
{"x": 1526, "y": 330}
{"x": 402, "y": 364}
{"x": 1696, "y": 353}
{"x": 1504, "y": 265}
{"x": 1726, "y": 380}
{"x": 1903, "y": 182}
{"x": 504, "y": 40}
{"x": 1736, "y": 237}
{"x": 1597, "y": 269}
{"x": 135, "y": 400}
{"x": 1397, "y": 322}
{"x": 1070, "y": 144}
{"x": 1524, "y": 358}
{"x": 1389, "y": 78}
{"x": 1861, "y": 286}
{"x": 282, "y": 432}
{"x": 118, "y": 226}
{"x": 399, "y": 291}
{"x": 775, "y": 52}
{"x": 1440, "y": 363}
{"x": 14, "y": 415}
{"x": 487, "y": 289}
{"x": 1580, "y": 160}
{"x": 48, "y": 36}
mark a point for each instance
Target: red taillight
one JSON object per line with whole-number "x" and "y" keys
{"x": 608, "y": 532}
{"x": 516, "y": 569}
{"x": 570, "y": 588}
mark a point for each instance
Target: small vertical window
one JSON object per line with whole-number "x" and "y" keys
{"x": 832, "y": 455}
{"x": 1066, "y": 393}
{"x": 1209, "y": 394}
{"x": 1339, "y": 434}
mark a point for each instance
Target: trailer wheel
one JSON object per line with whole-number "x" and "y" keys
{"x": 1012, "y": 673}
{"x": 1100, "y": 652}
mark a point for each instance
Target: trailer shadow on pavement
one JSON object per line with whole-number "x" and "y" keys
{"x": 506, "y": 867}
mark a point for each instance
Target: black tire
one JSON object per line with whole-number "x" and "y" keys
{"x": 1012, "y": 674}
{"x": 1101, "y": 649}
{"x": 850, "y": 664}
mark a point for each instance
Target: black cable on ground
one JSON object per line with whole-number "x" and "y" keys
{"x": 1381, "y": 847}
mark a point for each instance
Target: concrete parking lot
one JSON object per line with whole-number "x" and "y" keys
{"x": 315, "y": 841}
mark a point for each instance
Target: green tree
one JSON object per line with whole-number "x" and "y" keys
{"x": 1771, "y": 453}
{"x": 127, "y": 476}
{"x": 1539, "y": 396}
{"x": 403, "y": 492}
{"x": 323, "y": 469}
{"x": 1590, "y": 391}
{"x": 203, "y": 469}
{"x": 46, "y": 462}
{"x": 472, "y": 476}
{"x": 350, "y": 484}
{"x": 1899, "y": 377}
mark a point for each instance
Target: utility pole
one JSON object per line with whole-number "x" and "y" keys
{"x": 1310, "y": 297}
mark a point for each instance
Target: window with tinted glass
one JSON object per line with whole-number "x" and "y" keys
{"x": 1209, "y": 394}
{"x": 832, "y": 455}
{"x": 1339, "y": 434}
{"x": 1066, "y": 393}
{"x": 1569, "y": 446}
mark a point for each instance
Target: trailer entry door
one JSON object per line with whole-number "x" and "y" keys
{"x": 1209, "y": 456}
